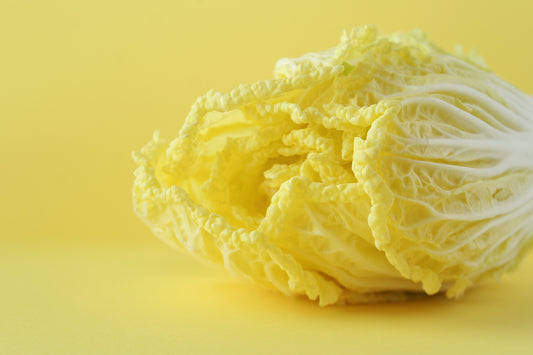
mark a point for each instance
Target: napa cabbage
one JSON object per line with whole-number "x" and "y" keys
{"x": 377, "y": 170}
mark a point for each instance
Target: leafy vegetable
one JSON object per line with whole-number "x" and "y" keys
{"x": 368, "y": 172}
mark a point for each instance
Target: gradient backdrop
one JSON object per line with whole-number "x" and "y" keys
{"x": 83, "y": 83}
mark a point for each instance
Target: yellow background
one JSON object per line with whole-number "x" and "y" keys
{"x": 83, "y": 83}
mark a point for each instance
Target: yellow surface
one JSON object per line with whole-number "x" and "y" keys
{"x": 84, "y": 83}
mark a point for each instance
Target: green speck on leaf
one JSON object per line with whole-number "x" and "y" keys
{"x": 347, "y": 68}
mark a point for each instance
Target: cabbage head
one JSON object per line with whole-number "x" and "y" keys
{"x": 377, "y": 170}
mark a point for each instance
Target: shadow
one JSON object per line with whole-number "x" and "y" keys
{"x": 490, "y": 306}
